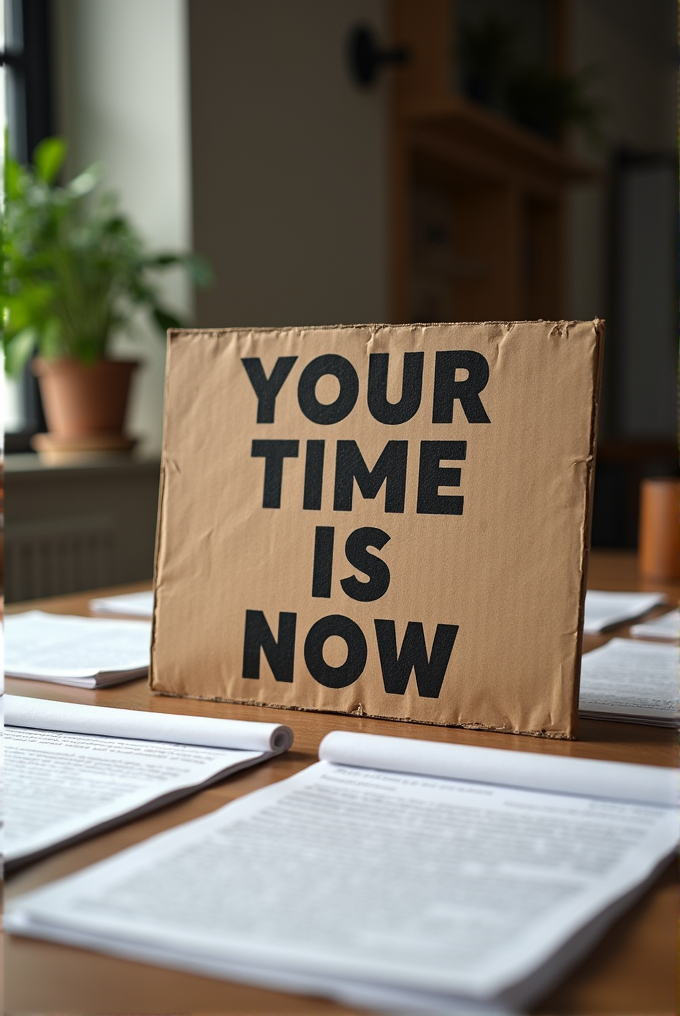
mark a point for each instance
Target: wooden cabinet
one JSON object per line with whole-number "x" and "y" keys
{"x": 477, "y": 201}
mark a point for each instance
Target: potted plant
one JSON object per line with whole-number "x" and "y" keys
{"x": 75, "y": 271}
{"x": 546, "y": 101}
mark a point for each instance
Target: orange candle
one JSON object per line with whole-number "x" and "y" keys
{"x": 659, "y": 543}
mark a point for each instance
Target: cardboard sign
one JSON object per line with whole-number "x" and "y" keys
{"x": 381, "y": 520}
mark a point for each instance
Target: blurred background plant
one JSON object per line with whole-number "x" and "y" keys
{"x": 547, "y": 102}
{"x": 494, "y": 73}
{"x": 75, "y": 270}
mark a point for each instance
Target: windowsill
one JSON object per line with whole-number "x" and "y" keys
{"x": 76, "y": 527}
{"x": 29, "y": 464}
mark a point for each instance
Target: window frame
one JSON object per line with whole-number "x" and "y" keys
{"x": 27, "y": 59}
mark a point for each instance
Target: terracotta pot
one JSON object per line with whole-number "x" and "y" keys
{"x": 81, "y": 398}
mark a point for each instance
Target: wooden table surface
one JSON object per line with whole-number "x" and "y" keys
{"x": 632, "y": 971}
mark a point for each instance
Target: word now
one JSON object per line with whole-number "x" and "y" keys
{"x": 447, "y": 390}
{"x": 350, "y": 468}
{"x": 396, "y": 664}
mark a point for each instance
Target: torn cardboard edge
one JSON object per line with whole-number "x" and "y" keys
{"x": 553, "y": 735}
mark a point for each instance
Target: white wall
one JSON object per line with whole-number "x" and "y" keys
{"x": 122, "y": 97}
{"x": 290, "y": 165}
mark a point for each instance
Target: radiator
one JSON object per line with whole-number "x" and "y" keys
{"x": 50, "y": 557}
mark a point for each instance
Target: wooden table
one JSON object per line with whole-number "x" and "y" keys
{"x": 632, "y": 970}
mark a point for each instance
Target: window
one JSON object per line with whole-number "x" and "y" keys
{"x": 26, "y": 109}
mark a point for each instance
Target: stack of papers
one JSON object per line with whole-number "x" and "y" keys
{"x": 131, "y": 604}
{"x": 665, "y": 627}
{"x": 605, "y": 610}
{"x": 636, "y": 682}
{"x": 396, "y": 874}
{"x": 84, "y": 652}
{"x": 72, "y": 770}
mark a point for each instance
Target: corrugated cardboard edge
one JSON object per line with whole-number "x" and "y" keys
{"x": 161, "y": 508}
{"x": 360, "y": 713}
{"x": 598, "y": 325}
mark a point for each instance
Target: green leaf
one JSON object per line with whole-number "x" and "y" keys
{"x": 200, "y": 272}
{"x": 163, "y": 260}
{"x": 86, "y": 181}
{"x": 18, "y": 351}
{"x": 164, "y": 319}
{"x": 198, "y": 268}
{"x": 13, "y": 175}
{"x": 49, "y": 340}
{"x": 48, "y": 158}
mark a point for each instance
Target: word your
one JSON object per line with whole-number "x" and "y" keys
{"x": 447, "y": 390}
{"x": 396, "y": 664}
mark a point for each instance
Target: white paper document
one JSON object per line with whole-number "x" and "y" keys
{"x": 397, "y": 874}
{"x": 631, "y": 681}
{"x": 86, "y": 652}
{"x": 130, "y": 604}
{"x": 666, "y": 627}
{"x": 605, "y": 609}
{"x": 71, "y": 770}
